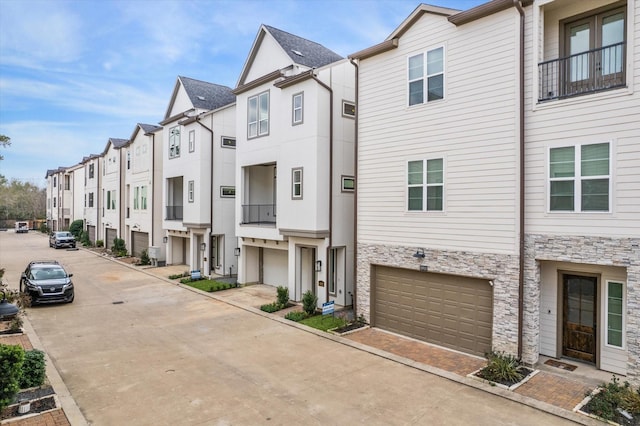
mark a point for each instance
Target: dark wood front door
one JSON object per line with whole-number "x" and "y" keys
{"x": 579, "y": 317}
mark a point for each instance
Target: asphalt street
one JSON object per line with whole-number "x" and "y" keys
{"x": 136, "y": 350}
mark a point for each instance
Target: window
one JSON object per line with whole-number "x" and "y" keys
{"x": 296, "y": 183}
{"x": 348, "y": 109}
{"x": 579, "y": 178}
{"x": 54, "y": 201}
{"x": 190, "y": 191}
{"x": 348, "y": 184}
{"x": 67, "y": 182}
{"x": 91, "y": 199}
{"x": 174, "y": 142}
{"x": 128, "y": 160}
{"x": 54, "y": 182}
{"x": 615, "y": 313}
{"x": 425, "y": 180}
{"x": 108, "y": 200}
{"x": 228, "y": 191}
{"x": 143, "y": 197}
{"x": 111, "y": 200}
{"x": 90, "y": 171}
{"x": 228, "y": 142}
{"x": 192, "y": 140}
{"x": 297, "y": 109}
{"x": 136, "y": 198}
{"x": 258, "y": 115}
{"x": 431, "y": 81}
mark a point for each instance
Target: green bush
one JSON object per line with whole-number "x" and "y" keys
{"x": 613, "y": 396}
{"x": 502, "y": 368}
{"x": 309, "y": 302}
{"x": 270, "y": 307}
{"x": 283, "y": 296}
{"x": 296, "y": 316}
{"x": 33, "y": 369}
{"x": 99, "y": 243}
{"x": 84, "y": 239}
{"x": 119, "y": 247}
{"x": 44, "y": 228}
{"x": 11, "y": 360}
{"x": 76, "y": 228}
{"x": 144, "y": 258}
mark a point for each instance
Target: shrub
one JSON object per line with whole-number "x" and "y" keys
{"x": 614, "y": 396}
{"x": 119, "y": 247}
{"x": 84, "y": 239}
{"x": 11, "y": 359}
{"x": 283, "y": 296}
{"x": 99, "y": 243}
{"x": 76, "y": 228}
{"x": 296, "y": 316}
{"x": 44, "y": 228}
{"x": 309, "y": 302}
{"x": 270, "y": 307}
{"x": 33, "y": 369}
{"x": 502, "y": 368}
{"x": 144, "y": 258}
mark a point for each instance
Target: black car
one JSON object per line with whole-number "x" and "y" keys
{"x": 46, "y": 281}
{"x": 62, "y": 239}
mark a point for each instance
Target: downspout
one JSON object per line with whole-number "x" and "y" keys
{"x": 355, "y": 197}
{"x": 518, "y": 6}
{"x": 153, "y": 185}
{"x": 98, "y": 194}
{"x": 211, "y": 193}
{"x": 330, "y": 90}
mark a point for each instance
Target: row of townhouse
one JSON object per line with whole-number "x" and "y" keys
{"x": 490, "y": 179}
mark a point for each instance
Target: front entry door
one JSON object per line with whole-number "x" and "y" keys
{"x": 579, "y": 317}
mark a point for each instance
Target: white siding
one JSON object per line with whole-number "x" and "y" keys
{"x": 474, "y": 129}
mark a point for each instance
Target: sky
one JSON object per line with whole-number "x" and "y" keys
{"x": 74, "y": 73}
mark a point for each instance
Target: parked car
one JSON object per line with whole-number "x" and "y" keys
{"x": 59, "y": 239}
{"x": 22, "y": 227}
{"x": 46, "y": 281}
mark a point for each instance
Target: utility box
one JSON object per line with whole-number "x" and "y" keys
{"x": 154, "y": 254}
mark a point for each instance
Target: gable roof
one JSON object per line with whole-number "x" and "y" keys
{"x": 202, "y": 95}
{"x": 117, "y": 144}
{"x": 149, "y": 128}
{"x": 301, "y": 51}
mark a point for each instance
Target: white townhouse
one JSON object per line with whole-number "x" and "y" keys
{"x": 64, "y": 196}
{"x": 198, "y": 177}
{"x": 111, "y": 189}
{"x": 143, "y": 192}
{"x": 295, "y": 167}
{"x": 582, "y": 176}
{"x": 92, "y": 214}
{"x": 499, "y": 181}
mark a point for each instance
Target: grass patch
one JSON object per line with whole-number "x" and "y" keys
{"x": 207, "y": 285}
{"x": 323, "y": 322}
{"x": 296, "y": 316}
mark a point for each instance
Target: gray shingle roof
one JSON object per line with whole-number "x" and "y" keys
{"x": 207, "y": 96}
{"x": 118, "y": 143}
{"x": 303, "y": 51}
{"x": 149, "y": 128}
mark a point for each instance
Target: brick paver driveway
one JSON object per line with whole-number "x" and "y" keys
{"x": 137, "y": 350}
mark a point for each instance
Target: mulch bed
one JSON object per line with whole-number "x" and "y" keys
{"x": 37, "y": 406}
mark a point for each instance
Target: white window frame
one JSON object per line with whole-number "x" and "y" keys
{"x": 192, "y": 140}
{"x": 136, "y": 198}
{"x": 191, "y": 191}
{"x": 174, "y": 142}
{"x": 424, "y": 77}
{"x": 606, "y": 319}
{"x": 297, "y": 183}
{"x": 425, "y": 185}
{"x": 346, "y": 106}
{"x": 143, "y": 197}
{"x": 224, "y": 192}
{"x": 345, "y": 178}
{"x": 261, "y": 116}
{"x": 577, "y": 179}
{"x": 228, "y": 142}
{"x": 295, "y": 121}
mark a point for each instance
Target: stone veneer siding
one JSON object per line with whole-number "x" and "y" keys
{"x": 501, "y": 268}
{"x": 622, "y": 252}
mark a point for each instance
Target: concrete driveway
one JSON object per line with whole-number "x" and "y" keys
{"x": 136, "y": 350}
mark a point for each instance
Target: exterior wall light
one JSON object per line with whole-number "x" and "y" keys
{"x": 236, "y": 251}
{"x": 165, "y": 239}
{"x": 318, "y": 265}
{"x": 419, "y": 254}
{"x": 203, "y": 246}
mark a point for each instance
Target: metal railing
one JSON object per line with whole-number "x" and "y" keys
{"x": 259, "y": 213}
{"x": 587, "y": 72}
{"x": 174, "y": 213}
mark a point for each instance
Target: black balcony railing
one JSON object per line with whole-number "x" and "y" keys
{"x": 174, "y": 213}
{"x": 587, "y": 72}
{"x": 259, "y": 213}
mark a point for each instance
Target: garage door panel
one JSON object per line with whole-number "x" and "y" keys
{"x": 447, "y": 310}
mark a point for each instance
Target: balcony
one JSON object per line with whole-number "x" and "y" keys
{"x": 259, "y": 214}
{"x": 174, "y": 213}
{"x": 583, "y": 73}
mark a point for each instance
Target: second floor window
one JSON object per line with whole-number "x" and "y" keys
{"x": 258, "y": 115}
{"x": 143, "y": 197}
{"x": 297, "y": 109}
{"x": 174, "y": 142}
{"x": 191, "y": 191}
{"x": 111, "y": 200}
{"x": 296, "y": 183}
{"x": 136, "y": 198}
{"x": 192, "y": 140}
{"x": 91, "y": 199}
{"x": 579, "y": 178}
{"x": 67, "y": 182}
{"x": 425, "y": 181}
{"x": 91, "y": 171}
{"x": 426, "y": 75}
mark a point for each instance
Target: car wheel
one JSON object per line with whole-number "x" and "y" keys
{"x": 20, "y": 286}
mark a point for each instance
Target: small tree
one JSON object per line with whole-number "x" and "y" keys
{"x": 309, "y": 302}
{"x": 119, "y": 248}
{"x": 33, "y": 369}
{"x": 283, "y": 296}
{"x": 11, "y": 360}
{"x": 76, "y": 228}
{"x": 144, "y": 258}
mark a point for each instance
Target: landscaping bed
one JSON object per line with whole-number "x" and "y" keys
{"x": 40, "y": 399}
{"x": 614, "y": 402}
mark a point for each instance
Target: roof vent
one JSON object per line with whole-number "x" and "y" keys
{"x": 297, "y": 52}
{"x": 201, "y": 98}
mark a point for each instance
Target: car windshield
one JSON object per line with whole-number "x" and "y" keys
{"x": 64, "y": 234}
{"x": 48, "y": 273}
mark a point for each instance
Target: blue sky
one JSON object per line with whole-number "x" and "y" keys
{"x": 74, "y": 73}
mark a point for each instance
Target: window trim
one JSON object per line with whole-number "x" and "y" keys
{"x": 425, "y": 76}
{"x": 174, "y": 147}
{"x": 577, "y": 179}
{"x": 222, "y": 191}
{"x": 346, "y": 103}
{"x": 257, "y": 97}
{"x": 295, "y": 183}
{"x": 606, "y": 316}
{"x": 425, "y": 185}
{"x": 228, "y": 138}
{"x": 344, "y": 178}
{"x": 191, "y": 186}
{"x": 293, "y": 109}
{"x": 192, "y": 140}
